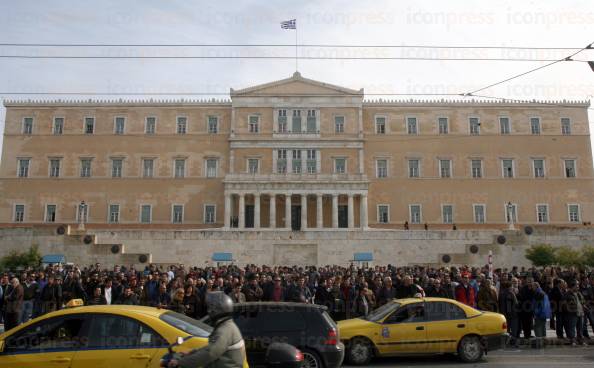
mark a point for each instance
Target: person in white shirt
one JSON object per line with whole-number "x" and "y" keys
{"x": 107, "y": 291}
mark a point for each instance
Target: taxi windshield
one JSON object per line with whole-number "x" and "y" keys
{"x": 381, "y": 313}
{"x": 186, "y": 324}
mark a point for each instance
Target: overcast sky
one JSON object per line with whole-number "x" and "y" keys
{"x": 564, "y": 23}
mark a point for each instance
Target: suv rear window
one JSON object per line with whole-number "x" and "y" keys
{"x": 186, "y": 324}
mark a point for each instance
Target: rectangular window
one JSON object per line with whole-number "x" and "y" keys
{"x": 50, "y": 213}
{"x": 535, "y": 126}
{"x": 447, "y": 213}
{"x": 445, "y": 168}
{"x": 211, "y": 167}
{"x": 89, "y": 125}
{"x": 27, "y": 125}
{"x": 148, "y": 167}
{"x": 19, "y": 213}
{"x": 383, "y": 214}
{"x": 312, "y": 122}
{"x": 312, "y": 163}
{"x": 116, "y": 167}
{"x": 477, "y": 168}
{"x": 565, "y": 126}
{"x": 146, "y": 212}
{"x": 542, "y": 213}
{"x": 570, "y": 169}
{"x": 281, "y": 161}
{"x": 382, "y": 168}
{"x": 182, "y": 125}
{"x": 253, "y": 164}
{"x": 209, "y": 214}
{"x": 479, "y": 213}
{"x": 180, "y": 168}
{"x": 413, "y": 168}
{"x": 340, "y": 165}
{"x": 380, "y": 125}
{"x": 120, "y": 124}
{"x": 58, "y": 128}
{"x": 508, "y": 168}
{"x": 296, "y": 122}
{"x": 411, "y": 126}
{"x": 54, "y": 168}
{"x": 213, "y": 125}
{"x": 254, "y": 124}
{"x": 415, "y": 213}
{"x": 282, "y": 121}
{"x": 443, "y": 125}
{"x": 475, "y": 126}
{"x": 339, "y": 124}
{"x": 85, "y": 168}
{"x": 23, "y": 169}
{"x": 574, "y": 212}
{"x": 178, "y": 214}
{"x": 504, "y": 126}
{"x": 114, "y": 213}
{"x": 539, "y": 168}
{"x": 150, "y": 126}
{"x": 511, "y": 212}
{"x": 296, "y": 162}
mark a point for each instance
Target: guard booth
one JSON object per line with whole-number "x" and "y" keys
{"x": 363, "y": 259}
{"x": 222, "y": 258}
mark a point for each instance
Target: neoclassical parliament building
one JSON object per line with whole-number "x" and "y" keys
{"x": 294, "y": 170}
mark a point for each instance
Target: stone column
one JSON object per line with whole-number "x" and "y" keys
{"x": 288, "y": 211}
{"x": 351, "y": 211}
{"x": 320, "y": 208}
{"x": 227, "y": 210}
{"x": 241, "y": 224}
{"x": 304, "y": 211}
{"x": 363, "y": 212}
{"x": 256, "y": 210}
{"x": 335, "y": 211}
{"x": 272, "y": 210}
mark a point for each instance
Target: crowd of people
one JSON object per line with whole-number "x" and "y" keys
{"x": 529, "y": 298}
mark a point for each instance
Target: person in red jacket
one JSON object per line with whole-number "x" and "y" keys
{"x": 465, "y": 292}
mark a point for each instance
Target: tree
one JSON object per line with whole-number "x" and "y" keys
{"x": 17, "y": 260}
{"x": 567, "y": 256}
{"x": 541, "y": 255}
{"x": 588, "y": 256}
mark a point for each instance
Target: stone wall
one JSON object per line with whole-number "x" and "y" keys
{"x": 195, "y": 247}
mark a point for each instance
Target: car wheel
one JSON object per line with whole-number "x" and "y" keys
{"x": 311, "y": 359}
{"x": 359, "y": 351}
{"x": 470, "y": 349}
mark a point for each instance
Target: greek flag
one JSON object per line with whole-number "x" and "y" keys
{"x": 289, "y": 24}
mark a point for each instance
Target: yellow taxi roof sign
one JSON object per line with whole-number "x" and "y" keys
{"x": 75, "y": 303}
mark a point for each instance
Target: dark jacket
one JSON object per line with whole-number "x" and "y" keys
{"x": 13, "y": 299}
{"x": 508, "y": 304}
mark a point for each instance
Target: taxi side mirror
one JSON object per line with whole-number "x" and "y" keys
{"x": 1, "y": 346}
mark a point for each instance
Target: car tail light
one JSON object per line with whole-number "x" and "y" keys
{"x": 504, "y": 326}
{"x": 299, "y": 356}
{"x": 332, "y": 337}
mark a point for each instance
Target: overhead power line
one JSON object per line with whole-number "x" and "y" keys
{"x": 567, "y": 58}
{"x": 281, "y": 45}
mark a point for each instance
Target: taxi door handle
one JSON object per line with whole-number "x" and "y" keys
{"x": 140, "y": 356}
{"x": 60, "y": 360}
{"x": 420, "y": 328}
{"x": 461, "y": 325}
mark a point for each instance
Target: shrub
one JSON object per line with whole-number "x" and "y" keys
{"x": 567, "y": 257}
{"x": 541, "y": 255}
{"x": 17, "y": 260}
{"x": 588, "y": 256}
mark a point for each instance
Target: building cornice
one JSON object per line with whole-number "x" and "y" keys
{"x": 474, "y": 103}
{"x": 92, "y": 102}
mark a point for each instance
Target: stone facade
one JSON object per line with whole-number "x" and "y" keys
{"x": 294, "y": 159}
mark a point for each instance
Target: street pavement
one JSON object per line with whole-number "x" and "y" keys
{"x": 562, "y": 357}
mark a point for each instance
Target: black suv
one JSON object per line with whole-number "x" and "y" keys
{"x": 305, "y": 326}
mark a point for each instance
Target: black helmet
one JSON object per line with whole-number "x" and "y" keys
{"x": 218, "y": 305}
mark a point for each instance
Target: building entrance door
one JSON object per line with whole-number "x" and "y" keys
{"x": 343, "y": 216}
{"x": 296, "y": 218}
{"x": 249, "y": 215}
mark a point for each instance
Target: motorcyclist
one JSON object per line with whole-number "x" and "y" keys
{"x": 226, "y": 348}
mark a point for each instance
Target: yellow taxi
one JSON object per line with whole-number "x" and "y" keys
{"x": 423, "y": 326}
{"x": 109, "y": 336}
